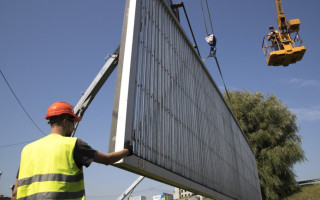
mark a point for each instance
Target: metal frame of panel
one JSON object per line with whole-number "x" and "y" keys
{"x": 168, "y": 105}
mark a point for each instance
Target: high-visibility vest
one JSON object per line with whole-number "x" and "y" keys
{"x": 48, "y": 171}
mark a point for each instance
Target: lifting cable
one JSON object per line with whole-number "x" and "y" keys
{"x": 204, "y": 19}
{"x": 225, "y": 87}
{"x": 210, "y": 38}
{"x": 209, "y": 16}
{"x": 181, "y": 4}
{"x": 213, "y": 55}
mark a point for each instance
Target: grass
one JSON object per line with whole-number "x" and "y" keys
{"x": 308, "y": 192}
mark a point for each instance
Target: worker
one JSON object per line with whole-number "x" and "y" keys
{"x": 212, "y": 41}
{"x": 51, "y": 167}
{"x": 273, "y": 36}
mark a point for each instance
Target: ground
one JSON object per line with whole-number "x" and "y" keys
{"x": 308, "y": 192}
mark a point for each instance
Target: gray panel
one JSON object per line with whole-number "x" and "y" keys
{"x": 166, "y": 102}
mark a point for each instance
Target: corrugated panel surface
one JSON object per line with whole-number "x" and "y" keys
{"x": 181, "y": 121}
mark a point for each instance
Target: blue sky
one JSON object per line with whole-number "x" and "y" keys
{"x": 52, "y": 50}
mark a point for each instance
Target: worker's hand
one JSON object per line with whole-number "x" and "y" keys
{"x": 128, "y": 146}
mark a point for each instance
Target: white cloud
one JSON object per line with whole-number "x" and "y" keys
{"x": 307, "y": 114}
{"x": 304, "y": 83}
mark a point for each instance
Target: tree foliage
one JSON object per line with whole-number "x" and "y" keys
{"x": 271, "y": 131}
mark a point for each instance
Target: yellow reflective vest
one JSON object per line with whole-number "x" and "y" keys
{"x": 48, "y": 171}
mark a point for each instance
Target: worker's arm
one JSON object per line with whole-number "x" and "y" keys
{"x": 110, "y": 158}
{"x": 269, "y": 36}
{"x": 14, "y": 191}
{"x": 113, "y": 157}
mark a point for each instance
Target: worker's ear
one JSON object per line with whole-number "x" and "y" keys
{"x": 64, "y": 122}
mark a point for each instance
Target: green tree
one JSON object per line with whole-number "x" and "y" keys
{"x": 271, "y": 131}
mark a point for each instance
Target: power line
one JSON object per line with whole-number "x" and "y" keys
{"x": 9, "y": 145}
{"x": 21, "y": 103}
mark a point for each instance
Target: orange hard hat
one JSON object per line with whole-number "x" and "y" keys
{"x": 59, "y": 108}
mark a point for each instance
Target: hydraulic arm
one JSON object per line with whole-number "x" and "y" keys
{"x": 282, "y": 22}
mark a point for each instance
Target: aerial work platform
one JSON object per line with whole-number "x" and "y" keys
{"x": 287, "y": 47}
{"x": 290, "y": 51}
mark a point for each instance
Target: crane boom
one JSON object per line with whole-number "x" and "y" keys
{"x": 282, "y": 22}
{"x": 279, "y": 7}
{"x": 89, "y": 95}
{"x": 131, "y": 188}
{"x": 96, "y": 85}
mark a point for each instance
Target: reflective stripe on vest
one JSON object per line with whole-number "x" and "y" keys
{"x": 50, "y": 177}
{"x": 48, "y": 171}
{"x": 55, "y": 195}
